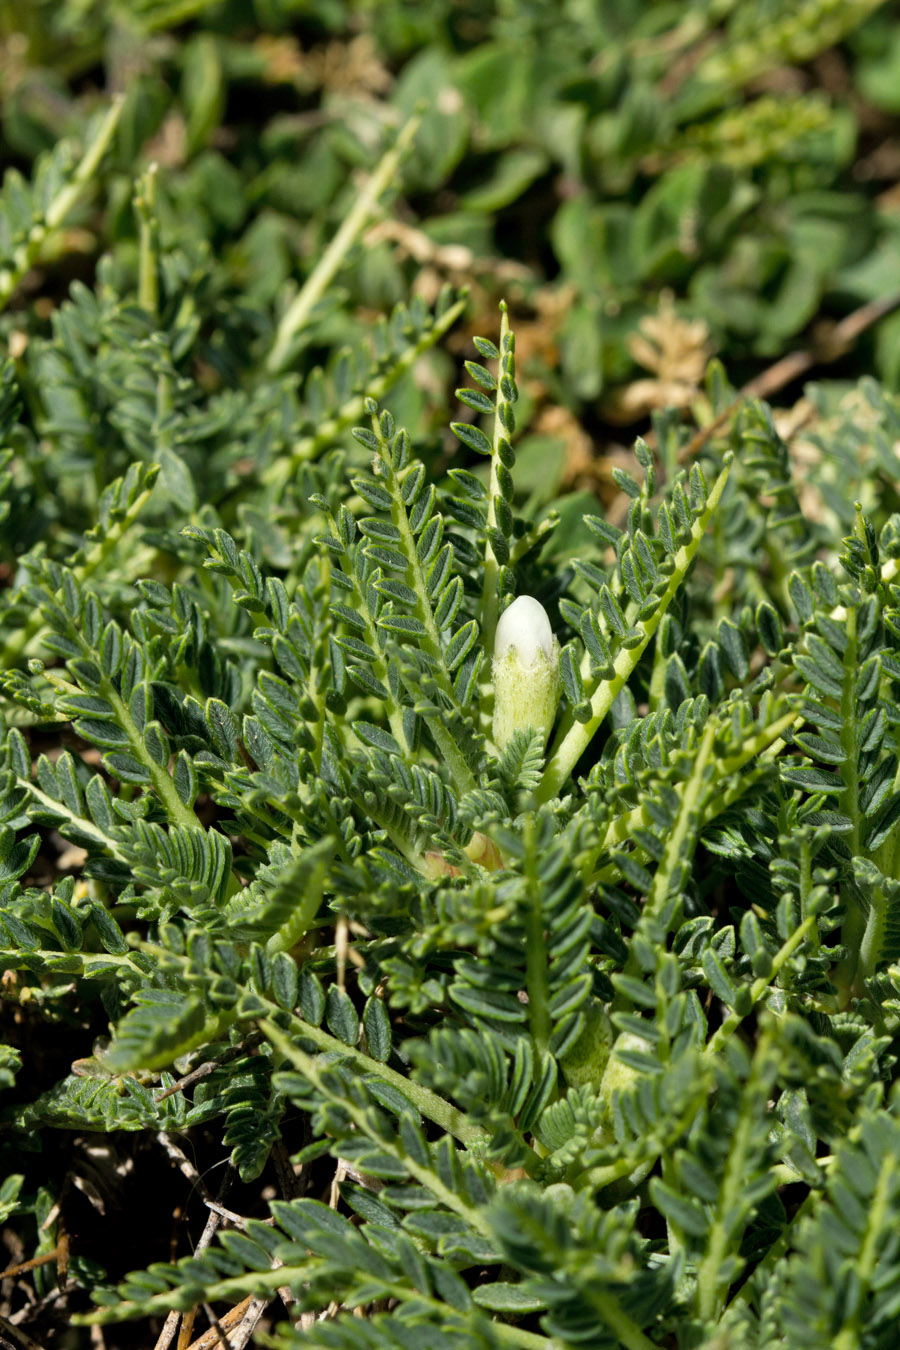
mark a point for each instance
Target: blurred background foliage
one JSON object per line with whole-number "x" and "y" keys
{"x": 646, "y": 183}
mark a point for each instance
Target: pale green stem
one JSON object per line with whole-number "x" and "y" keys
{"x": 656, "y": 692}
{"x": 490, "y": 590}
{"x": 422, "y": 1173}
{"x": 574, "y": 737}
{"x": 858, "y": 920}
{"x": 175, "y": 14}
{"x": 627, "y": 1332}
{"x": 864, "y": 1269}
{"x": 145, "y": 208}
{"x": 536, "y": 952}
{"x": 281, "y": 470}
{"x": 433, "y": 1107}
{"x": 303, "y": 915}
{"x": 710, "y": 1287}
{"x": 17, "y": 644}
{"x": 85, "y": 827}
{"x": 26, "y": 254}
{"x": 596, "y": 1178}
{"x": 760, "y": 985}
{"x": 531, "y": 538}
{"x": 94, "y": 966}
{"x": 677, "y": 840}
{"x": 354, "y": 223}
{"x": 379, "y": 665}
{"x": 764, "y": 744}
{"x": 431, "y": 642}
{"x": 229, "y": 1290}
{"x": 178, "y": 813}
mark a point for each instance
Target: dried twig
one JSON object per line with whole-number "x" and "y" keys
{"x": 210, "y": 1065}
{"x": 167, "y": 1335}
{"x": 795, "y": 364}
{"x": 231, "y": 1322}
{"x": 35, "y": 1261}
{"x": 238, "y": 1220}
{"x": 187, "y": 1168}
{"x": 16, "y": 1338}
{"x": 217, "y": 1327}
{"x": 182, "y": 1162}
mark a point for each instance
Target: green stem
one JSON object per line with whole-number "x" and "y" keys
{"x": 354, "y": 223}
{"x": 626, "y": 1331}
{"x": 279, "y": 473}
{"x": 596, "y": 1178}
{"x": 85, "y": 826}
{"x": 397, "y": 838}
{"x": 864, "y": 1268}
{"x": 17, "y": 644}
{"x": 94, "y": 966}
{"x": 872, "y": 942}
{"x": 805, "y": 887}
{"x": 379, "y": 665}
{"x": 431, "y": 642}
{"x": 765, "y": 743}
{"x": 178, "y": 813}
{"x": 657, "y": 690}
{"x": 26, "y": 254}
{"x": 856, "y": 923}
{"x": 145, "y": 209}
{"x": 269, "y": 1281}
{"x": 711, "y": 1287}
{"x": 536, "y": 952}
{"x": 687, "y": 821}
{"x": 433, "y": 1107}
{"x": 527, "y": 1340}
{"x": 422, "y": 1172}
{"x": 532, "y": 537}
{"x": 760, "y": 985}
{"x": 490, "y": 591}
{"x": 305, "y": 912}
{"x": 574, "y": 737}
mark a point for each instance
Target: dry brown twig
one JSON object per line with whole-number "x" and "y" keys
{"x": 188, "y": 1170}
{"x": 15, "y": 1337}
{"x": 23, "y": 1266}
{"x": 209, "y": 1066}
{"x": 239, "y": 1323}
{"x": 791, "y": 367}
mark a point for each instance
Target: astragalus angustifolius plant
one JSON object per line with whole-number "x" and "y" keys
{"x": 535, "y": 890}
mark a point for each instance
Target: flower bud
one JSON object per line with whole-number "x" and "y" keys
{"x": 586, "y": 1060}
{"x": 526, "y": 671}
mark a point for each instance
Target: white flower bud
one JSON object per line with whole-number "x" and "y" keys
{"x": 526, "y": 671}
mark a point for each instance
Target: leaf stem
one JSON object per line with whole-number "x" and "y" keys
{"x": 761, "y": 984}
{"x": 145, "y": 209}
{"x": 353, "y": 224}
{"x": 535, "y": 950}
{"x": 421, "y": 1171}
{"x": 448, "y": 1117}
{"x": 279, "y": 473}
{"x": 26, "y": 254}
{"x": 490, "y": 594}
{"x": 864, "y": 1269}
{"x": 574, "y": 737}
{"x": 18, "y": 642}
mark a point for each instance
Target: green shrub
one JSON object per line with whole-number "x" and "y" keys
{"x": 570, "y": 1034}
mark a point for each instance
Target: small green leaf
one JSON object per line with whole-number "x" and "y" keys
{"x": 502, "y": 1297}
{"x": 377, "y": 1026}
{"x": 472, "y": 437}
{"x": 340, "y": 1016}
